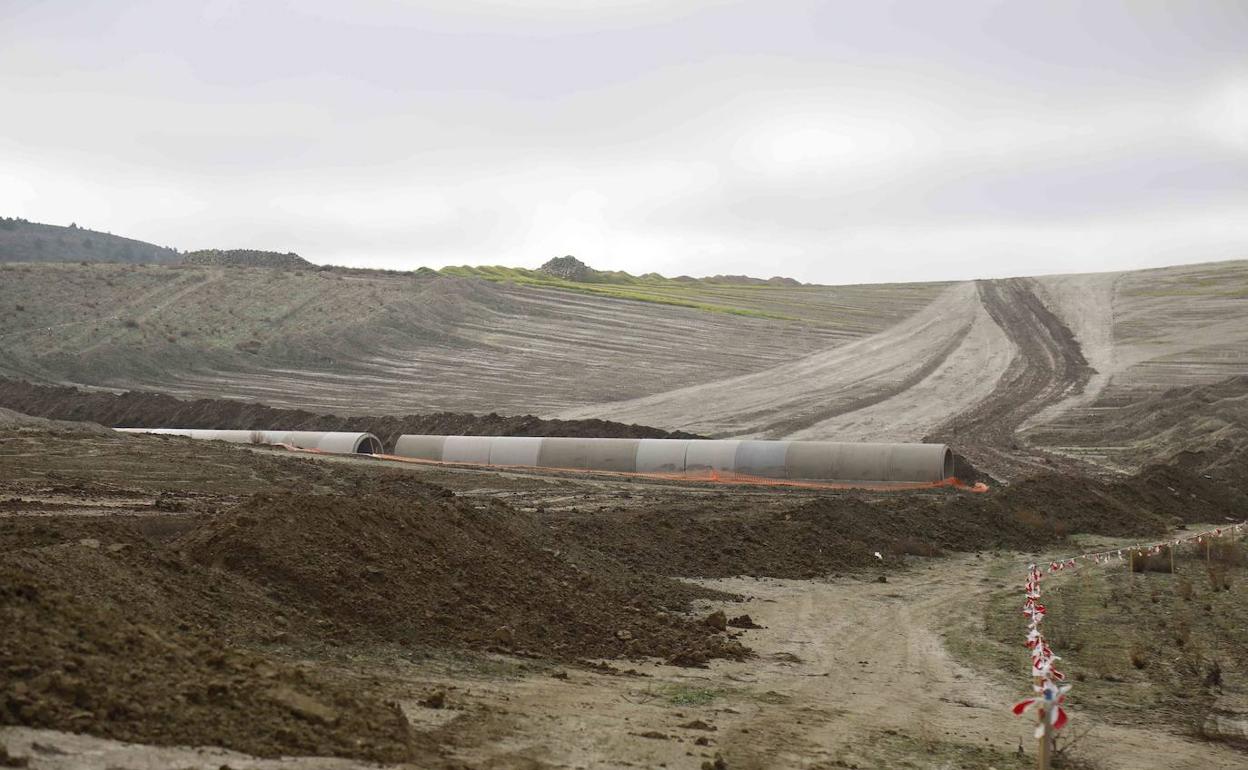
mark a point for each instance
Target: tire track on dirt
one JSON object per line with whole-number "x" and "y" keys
{"x": 812, "y": 389}
{"x": 1050, "y": 366}
{"x": 782, "y": 428}
{"x": 849, "y": 672}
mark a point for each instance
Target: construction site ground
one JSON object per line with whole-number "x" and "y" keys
{"x": 171, "y": 603}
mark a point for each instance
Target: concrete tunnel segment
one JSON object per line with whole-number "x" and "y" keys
{"x": 694, "y": 458}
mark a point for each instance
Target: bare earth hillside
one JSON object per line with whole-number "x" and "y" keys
{"x": 363, "y": 341}
{"x": 1007, "y": 370}
{"x": 987, "y": 360}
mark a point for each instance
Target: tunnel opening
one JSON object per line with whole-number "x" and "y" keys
{"x": 948, "y": 465}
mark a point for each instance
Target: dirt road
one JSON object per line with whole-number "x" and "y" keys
{"x": 850, "y": 673}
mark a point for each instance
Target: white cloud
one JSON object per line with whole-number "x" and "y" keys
{"x": 1224, "y": 114}
{"x": 832, "y": 142}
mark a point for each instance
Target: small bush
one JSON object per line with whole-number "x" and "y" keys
{"x": 1219, "y": 577}
{"x": 690, "y": 696}
{"x": 1213, "y": 679}
{"x": 1182, "y": 635}
{"x": 130, "y": 323}
{"x": 1152, "y": 562}
{"x": 1229, "y": 552}
{"x": 1185, "y": 589}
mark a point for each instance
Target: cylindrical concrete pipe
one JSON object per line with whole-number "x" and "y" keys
{"x": 791, "y": 460}
{"x": 334, "y": 442}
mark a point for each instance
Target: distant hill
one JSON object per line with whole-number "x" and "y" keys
{"x": 745, "y": 280}
{"x": 245, "y": 258}
{"x": 22, "y": 241}
{"x": 738, "y": 295}
{"x": 569, "y": 268}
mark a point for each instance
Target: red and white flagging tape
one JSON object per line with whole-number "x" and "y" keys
{"x": 1049, "y": 683}
{"x": 1047, "y": 680}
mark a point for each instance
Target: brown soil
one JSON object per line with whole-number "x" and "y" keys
{"x": 838, "y": 532}
{"x": 386, "y": 568}
{"x": 138, "y": 409}
{"x": 155, "y": 619}
{"x": 216, "y": 594}
{"x": 124, "y": 643}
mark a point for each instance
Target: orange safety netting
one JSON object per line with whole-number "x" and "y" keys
{"x": 719, "y": 477}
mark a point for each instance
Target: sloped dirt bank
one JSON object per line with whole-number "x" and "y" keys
{"x": 139, "y": 409}
{"x": 1050, "y": 366}
{"x": 1201, "y": 427}
{"x": 102, "y": 638}
{"x": 838, "y": 532}
{"x": 380, "y": 567}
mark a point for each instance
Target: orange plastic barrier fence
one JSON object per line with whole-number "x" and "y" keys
{"x": 720, "y": 477}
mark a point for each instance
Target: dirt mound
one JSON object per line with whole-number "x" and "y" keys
{"x": 104, "y": 638}
{"x": 840, "y": 532}
{"x": 17, "y": 421}
{"x": 568, "y": 268}
{"x": 124, "y": 628}
{"x": 138, "y": 409}
{"x": 385, "y": 568}
{"x": 246, "y": 258}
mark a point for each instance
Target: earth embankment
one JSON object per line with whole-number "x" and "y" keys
{"x": 138, "y": 409}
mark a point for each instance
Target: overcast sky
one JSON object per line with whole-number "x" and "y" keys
{"x": 829, "y": 141}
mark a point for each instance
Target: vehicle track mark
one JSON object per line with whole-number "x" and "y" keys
{"x": 1049, "y": 367}
{"x": 782, "y": 428}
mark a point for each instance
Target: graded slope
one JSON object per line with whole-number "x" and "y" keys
{"x": 37, "y": 405}
{"x": 376, "y": 342}
{"x": 1169, "y": 350}
{"x": 988, "y": 365}
{"x": 950, "y": 344}
{"x": 998, "y": 365}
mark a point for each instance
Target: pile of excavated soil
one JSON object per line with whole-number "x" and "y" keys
{"x": 139, "y": 409}
{"x": 100, "y": 637}
{"x": 11, "y": 421}
{"x": 838, "y": 532}
{"x": 122, "y": 627}
{"x": 380, "y": 567}
{"x": 246, "y": 258}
